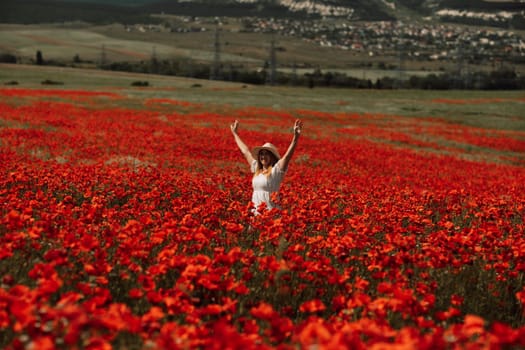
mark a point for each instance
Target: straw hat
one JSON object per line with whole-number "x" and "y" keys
{"x": 267, "y": 146}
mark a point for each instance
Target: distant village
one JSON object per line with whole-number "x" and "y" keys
{"x": 422, "y": 41}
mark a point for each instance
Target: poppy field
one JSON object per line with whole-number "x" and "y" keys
{"x": 125, "y": 223}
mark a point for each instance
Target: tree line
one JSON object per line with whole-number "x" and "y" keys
{"x": 503, "y": 78}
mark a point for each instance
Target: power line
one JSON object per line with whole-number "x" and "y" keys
{"x": 401, "y": 64}
{"x": 216, "y": 67}
{"x": 103, "y": 56}
{"x": 273, "y": 63}
{"x": 154, "y": 61}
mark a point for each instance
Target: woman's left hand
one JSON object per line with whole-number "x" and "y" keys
{"x": 298, "y": 126}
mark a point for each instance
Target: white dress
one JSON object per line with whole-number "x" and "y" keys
{"x": 264, "y": 186}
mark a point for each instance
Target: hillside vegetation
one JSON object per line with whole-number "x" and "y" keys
{"x": 139, "y": 11}
{"x": 12, "y": 11}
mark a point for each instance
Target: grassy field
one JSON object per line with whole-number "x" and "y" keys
{"x": 61, "y": 42}
{"x": 491, "y": 109}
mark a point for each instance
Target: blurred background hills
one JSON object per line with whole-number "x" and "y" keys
{"x": 355, "y": 43}
{"x": 510, "y": 13}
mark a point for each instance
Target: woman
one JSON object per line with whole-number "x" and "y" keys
{"x": 267, "y": 165}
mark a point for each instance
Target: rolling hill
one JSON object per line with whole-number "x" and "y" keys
{"x": 499, "y": 13}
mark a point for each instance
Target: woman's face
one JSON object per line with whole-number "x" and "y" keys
{"x": 265, "y": 157}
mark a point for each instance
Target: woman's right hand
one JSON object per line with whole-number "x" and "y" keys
{"x": 234, "y": 126}
{"x": 298, "y": 126}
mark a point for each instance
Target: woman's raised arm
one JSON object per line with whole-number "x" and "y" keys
{"x": 242, "y": 146}
{"x": 285, "y": 160}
